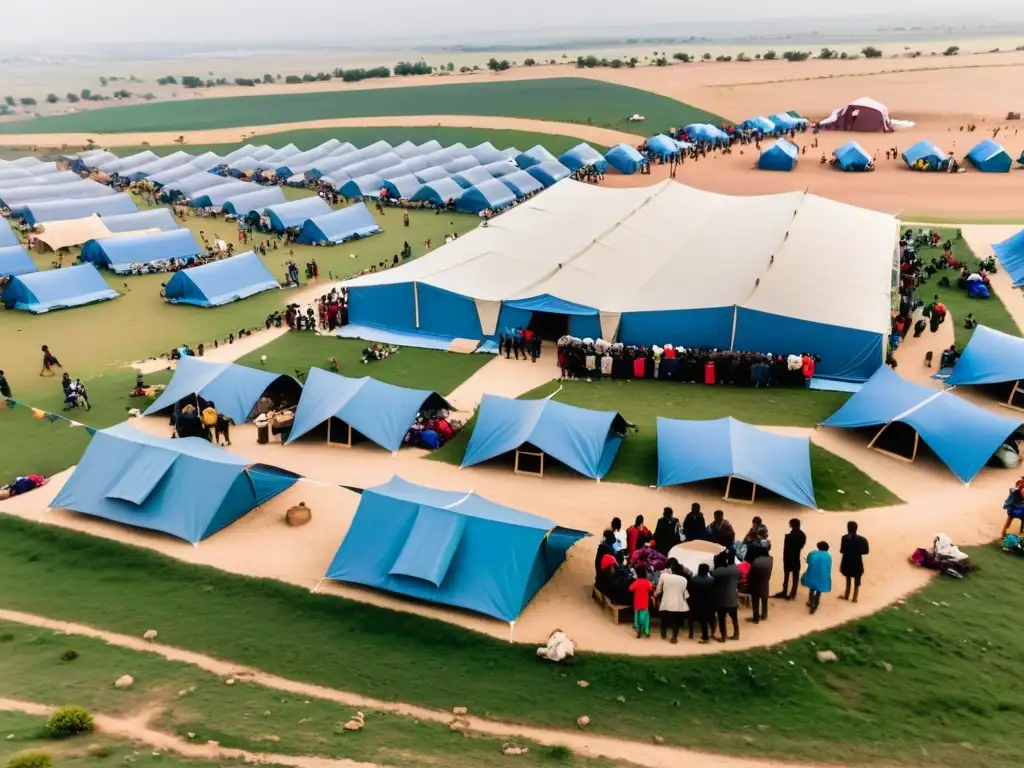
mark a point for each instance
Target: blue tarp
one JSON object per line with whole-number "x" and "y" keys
{"x": 780, "y": 156}
{"x": 691, "y": 451}
{"x": 7, "y": 236}
{"x": 762, "y": 124}
{"x": 189, "y": 185}
{"x": 581, "y": 155}
{"x": 402, "y": 187}
{"x": 549, "y": 172}
{"x": 533, "y": 156}
{"x": 40, "y": 292}
{"x": 1010, "y": 253}
{"x": 990, "y": 357}
{"x": 235, "y": 389}
{"x": 295, "y": 213}
{"x": 253, "y": 202}
{"x": 662, "y": 146}
{"x": 339, "y": 226}
{"x": 14, "y": 260}
{"x": 521, "y": 183}
{"x": 119, "y": 252}
{"x": 63, "y": 210}
{"x": 487, "y": 194}
{"x": 852, "y": 157}
{"x": 585, "y": 440}
{"x": 154, "y": 218}
{"x": 439, "y": 192}
{"x": 487, "y": 153}
{"x": 471, "y": 177}
{"x": 368, "y": 185}
{"x": 451, "y": 548}
{"x": 220, "y": 282}
{"x": 924, "y": 150}
{"x": 961, "y": 434}
{"x": 187, "y": 488}
{"x": 705, "y": 132}
{"x": 215, "y": 196}
{"x": 381, "y": 412}
{"x": 624, "y": 158}
{"x": 989, "y": 156}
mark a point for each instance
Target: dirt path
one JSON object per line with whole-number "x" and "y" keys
{"x": 137, "y": 730}
{"x": 588, "y": 744}
{"x": 605, "y": 136}
{"x": 508, "y": 378}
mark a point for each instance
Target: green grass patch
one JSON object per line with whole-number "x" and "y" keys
{"x": 929, "y": 218}
{"x": 410, "y": 367}
{"x": 838, "y": 484}
{"x": 952, "y": 650}
{"x": 562, "y": 99}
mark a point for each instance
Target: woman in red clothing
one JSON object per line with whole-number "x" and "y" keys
{"x": 637, "y": 535}
{"x": 807, "y": 367}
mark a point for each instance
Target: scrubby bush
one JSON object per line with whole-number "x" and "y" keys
{"x": 99, "y": 750}
{"x": 69, "y": 655}
{"x": 33, "y": 758}
{"x": 69, "y": 721}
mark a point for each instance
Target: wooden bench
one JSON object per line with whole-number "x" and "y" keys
{"x": 619, "y": 614}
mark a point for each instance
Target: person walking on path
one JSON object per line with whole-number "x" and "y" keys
{"x": 853, "y": 548}
{"x": 671, "y": 594}
{"x": 50, "y": 362}
{"x": 792, "y": 548}
{"x": 727, "y": 578}
{"x": 818, "y": 575}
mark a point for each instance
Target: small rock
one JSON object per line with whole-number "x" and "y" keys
{"x": 213, "y": 743}
{"x": 460, "y": 711}
{"x": 887, "y": 666}
{"x": 266, "y": 713}
{"x": 124, "y": 681}
{"x": 659, "y": 740}
{"x": 149, "y": 634}
{"x": 827, "y": 656}
{"x": 309, "y": 719}
{"x": 512, "y": 750}
{"x": 967, "y": 745}
{"x": 190, "y": 735}
{"x": 10, "y": 736}
{"x": 229, "y": 681}
{"x": 621, "y": 699}
{"x": 354, "y": 724}
{"x": 156, "y": 754}
{"x": 271, "y": 737}
{"x": 582, "y": 683}
{"x": 582, "y": 721}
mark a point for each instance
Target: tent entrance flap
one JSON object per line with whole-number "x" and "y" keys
{"x": 529, "y": 461}
{"x": 140, "y": 477}
{"x": 901, "y": 441}
{"x": 430, "y": 547}
{"x": 739, "y": 490}
{"x": 339, "y": 433}
{"x": 550, "y": 326}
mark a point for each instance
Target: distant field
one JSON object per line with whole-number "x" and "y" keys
{"x": 573, "y": 100}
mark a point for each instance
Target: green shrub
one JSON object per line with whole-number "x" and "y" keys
{"x": 100, "y": 750}
{"x": 69, "y": 721}
{"x": 560, "y": 753}
{"x": 6, "y": 637}
{"x": 69, "y": 655}
{"x": 33, "y": 758}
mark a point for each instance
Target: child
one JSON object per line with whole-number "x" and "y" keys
{"x": 818, "y": 576}
{"x": 641, "y": 589}
{"x": 49, "y": 362}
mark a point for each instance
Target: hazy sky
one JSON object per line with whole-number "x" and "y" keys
{"x": 85, "y": 22}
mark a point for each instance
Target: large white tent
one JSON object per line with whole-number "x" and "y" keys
{"x": 780, "y": 273}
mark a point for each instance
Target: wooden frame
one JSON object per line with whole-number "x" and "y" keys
{"x": 913, "y": 456}
{"x": 728, "y": 488}
{"x": 339, "y": 444}
{"x": 1013, "y": 393}
{"x": 535, "y": 454}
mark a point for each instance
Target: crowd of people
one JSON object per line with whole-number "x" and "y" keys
{"x": 634, "y": 567}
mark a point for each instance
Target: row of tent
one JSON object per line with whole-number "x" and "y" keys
{"x": 988, "y": 156}
{"x": 783, "y": 122}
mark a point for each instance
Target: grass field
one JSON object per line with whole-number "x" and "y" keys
{"x": 641, "y": 402}
{"x": 952, "y": 651}
{"x": 563, "y": 99}
{"x": 243, "y": 716}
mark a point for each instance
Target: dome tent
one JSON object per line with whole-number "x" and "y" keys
{"x": 220, "y": 282}
{"x": 925, "y": 156}
{"x": 339, "y": 226}
{"x": 624, "y": 158}
{"x": 852, "y": 157}
{"x": 781, "y": 156}
{"x": 581, "y": 155}
{"x": 864, "y": 114}
{"x": 988, "y": 156}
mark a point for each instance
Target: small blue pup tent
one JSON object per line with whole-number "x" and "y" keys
{"x": 989, "y": 156}
{"x": 852, "y": 157}
{"x": 40, "y": 292}
{"x": 14, "y": 260}
{"x": 339, "y": 226}
{"x": 119, "y": 253}
{"x": 549, "y": 172}
{"x": 691, "y": 451}
{"x": 581, "y": 155}
{"x": 236, "y": 389}
{"x": 780, "y": 156}
{"x": 991, "y": 357}
{"x": 451, "y": 548}
{"x": 1010, "y": 253}
{"x": 220, "y": 282}
{"x": 521, "y": 183}
{"x": 926, "y": 156}
{"x": 187, "y": 488}
{"x": 584, "y": 440}
{"x": 490, "y": 194}
{"x": 252, "y": 202}
{"x": 624, "y": 159}
{"x": 533, "y": 156}
{"x": 380, "y": 412}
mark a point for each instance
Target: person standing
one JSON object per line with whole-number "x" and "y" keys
{"x": 759, "y": 581}
{"x": 818, "y": 576}
{"x": 50, "y": 362}
{"x": 637, "y": 535}
{"x": 5, "y": 387}
{"x": 666, "y": 532}
{"x": 721, "y": 530}
{"x": 727, "y": 578}
{"x": 701, "y": 591}
{"x": 641, "y": 589}
{"x": 671, "y": 594}
{"x": 853, "y": 548}
{"x": 792, "y": 549}
{"x": 694, "y": 527}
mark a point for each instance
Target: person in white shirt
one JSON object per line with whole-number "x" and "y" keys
{"x": 672, "y": 599}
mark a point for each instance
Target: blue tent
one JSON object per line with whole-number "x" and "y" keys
{"x": 961, "y": 434}
{"x": 521, "y": 183}
{"x": 216, "y": 196}
{"x": 430, "y": 174}
{"x": 220, "y": 282}
{"x": 119, "y": 253}
{"x": 368, "y": 185}
{"x": 762, "y": 124}
{"x": 7, "y": 236}
{"x": 14, "y": 260}
{"x": 235, "y": 389}
{"x": 284, "y": 216}
{"x": 662, "y": 146}
{"x": 933, "y": 158}
{"x": 63, "y": 210}
{"x": 171, "y": 175}
{"x": 175, "y": 160}
{"x": 253, "y": 202}
{"x": 40, "y": 292}
{"x": 461, "y": 164}
{"x": 780, "y": 156}
{"x": 471, "y": 177}
{"x": 439, "y": 192}
{"x": 83, "y": 189}
{"x": 706, "y": 132}
{"x": 989, "y": 156}
{"x": 367, "y": 166}
{"x": 450, "y": 548}
{"x": 852, "y": 157}
{"x": 490, "y": 194}
{"x": 487, "y": 153}
{"x": 624, "y": 158}
{"x": 187, "y": 488}
{"x": 990, "y": 357}
{"x": 195, "y": 182}
{"x": 381, "y": 412}
{"x": 402, "y": 187}
{"x": 690, "y": 451}
{"x": 533, "y": 156}
{"x": 584, "y": 440}
{"x": 1010, "y": 253}
{"x": 581, "y": 155}
{"x": 339, "y": 226}
{"x": 501, "y": 168}
{"x": 154, "y": 218}
{"x": 549, "y": 172}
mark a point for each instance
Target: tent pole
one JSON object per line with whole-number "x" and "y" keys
{"x": 511, "y": 629}
{"x": 416, "y": 302}
{"x": 732, "y": 337}
{"x": 875, "y": 438}
{"x": 316, "y": 589}
{"x": 917, "y": 439}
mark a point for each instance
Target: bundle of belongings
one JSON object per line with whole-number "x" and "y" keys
{"x": 431, "y": 431}
{"x": 558, "y": 648}
{"x": 1013, "y": 544}
{"x": 944, "y": 557}
{"x": 378, "y": 352}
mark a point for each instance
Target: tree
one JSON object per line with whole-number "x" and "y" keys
{"x": 723, "y": 57}
{"x": 528, "y": 62}
{"x": 268, "y": 78}
{"x": 827, "y": 53}
{"x": 86, "y": 94}
{"x": 168, "y": 80}
{"x": 616, "y": 63}
{"x": 796, "y": 55}
{"x": 52, "y": 98}
{"x": 770, "y": 56}
{"x": 72, "y": 98}
{"x": 27, "y": 101}
{"x": 245, "y": 81}
{"x": 148, "y": 96}
{"x": 953, "y": 50}
{"x": 450, "y": 66}
{"x": 406, "y": 68}
{"x": 633, "y": 61}
{"x": 293, "y": 79}
{"x": 499, "y": 66}
{"x": 871, "y": 52}
{"x": 706, "y": 57}
{"x": 122, "y": 94}
{"x": 308, "y": 78}
{"x": 103, "y": 82}
{"x": 9, "y": 101}
{"x": 661, "y": 61}
{"x": 189, "y": 81}
{"x": 683, "y": 57}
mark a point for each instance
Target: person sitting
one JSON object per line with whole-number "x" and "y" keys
{"x": 949, "y": 357}
{"x": 637, "y": 535}
{"x": 969, "y": 322}
{"x": 606, "y": 547}
{"x": 613, "y": 581}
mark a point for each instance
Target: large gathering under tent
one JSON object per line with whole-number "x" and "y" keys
{"x": 220, "y": 282}
{"x": 40, "y": 292}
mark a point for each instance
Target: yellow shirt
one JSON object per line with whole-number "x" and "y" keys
{"x": 210, "y": 417}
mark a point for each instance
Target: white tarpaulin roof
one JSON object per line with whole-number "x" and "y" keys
{"x": 674, "y": 247}
{"x": 64, "y": 234}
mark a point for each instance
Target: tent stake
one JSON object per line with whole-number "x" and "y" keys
{"x": 316, "y": 589}
{"x": 511, "y": 629}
